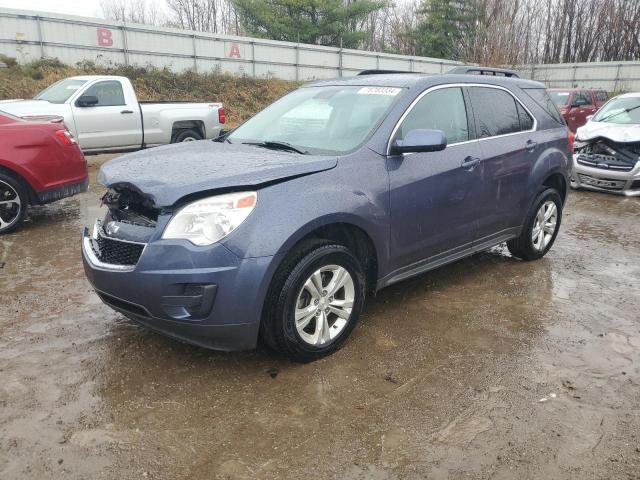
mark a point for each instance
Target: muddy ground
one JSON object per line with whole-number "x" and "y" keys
{"x": 488, "y": 368}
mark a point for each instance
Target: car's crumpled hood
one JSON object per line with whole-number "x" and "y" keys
{"x": 614, "y": 132}
{"x": 166, "y": 174}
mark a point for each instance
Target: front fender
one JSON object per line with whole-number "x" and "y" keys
{"x": 289, "y": 211}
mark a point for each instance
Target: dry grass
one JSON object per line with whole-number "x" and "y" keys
{"x": 242, "y": 96}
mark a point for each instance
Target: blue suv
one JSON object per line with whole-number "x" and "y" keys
{"x": 279, "y": 229}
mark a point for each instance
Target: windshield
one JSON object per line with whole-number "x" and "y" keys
{"x": 60, "y": 91}
{"x": 621, "y": 110}
{"x": 559, "y": 98}
{"x": 327, "y": 120}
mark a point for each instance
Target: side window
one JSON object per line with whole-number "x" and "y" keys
{"x": 442, "y": 109}
{"x": 581, "y": 98}
{"x": 109, "y": 93}
{"x": 542, "y": 98}
{"x": 602, "y": 96}
{"x": 526, "y": 122}
{"x": 496, "y": 112}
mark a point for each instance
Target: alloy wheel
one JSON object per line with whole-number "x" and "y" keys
{"x": 545, "y": 225}
{"x": 324, "y": 305}
{"x": 10, "y": 205}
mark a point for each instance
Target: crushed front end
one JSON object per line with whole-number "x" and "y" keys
{"x": 605, "y": 165}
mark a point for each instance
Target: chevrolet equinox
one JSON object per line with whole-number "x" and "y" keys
{"x": 278, "y": 229}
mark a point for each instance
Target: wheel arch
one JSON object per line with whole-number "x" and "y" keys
{"x": 345, "y": 231}
{"x": 33, "y": 198}
{"x": 181, "y": 125}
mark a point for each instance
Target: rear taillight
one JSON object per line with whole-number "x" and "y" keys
{"x": 572, "y": 139}
{"x": 221, "y": 115}
{"x": 65, "y": 137}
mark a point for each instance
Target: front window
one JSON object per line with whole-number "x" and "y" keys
{"x": 621, "y": 110}
{"x": 329, "y": 120}
{"x": 60, "y": 91}
{"x": 561, "y": 99}
{"x": 442, "y": 109}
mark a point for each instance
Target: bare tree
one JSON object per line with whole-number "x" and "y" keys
{"x": 135, "y": 11}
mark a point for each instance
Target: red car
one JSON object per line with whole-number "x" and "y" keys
{"x": 40, "y": 162}
{"x": 576, "y": 104}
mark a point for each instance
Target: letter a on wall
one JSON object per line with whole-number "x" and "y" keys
{"x": 105, "y": 37}
{"x": 234, "y": 51}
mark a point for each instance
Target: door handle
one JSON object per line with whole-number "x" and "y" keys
{"x": 126, "y": 111}
{"x": 470, "y": 163}
{"x": 530, "y": 146}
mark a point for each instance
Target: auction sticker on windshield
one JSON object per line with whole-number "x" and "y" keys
{"x": 390, "y": 91}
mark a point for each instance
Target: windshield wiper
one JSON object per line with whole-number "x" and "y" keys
{"x": 277, "y": 145}
{"x": 611, "y": 115}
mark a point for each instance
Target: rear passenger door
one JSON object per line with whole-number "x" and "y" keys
{"x": 434, "y": 196}
{"x": 508, "y": 147}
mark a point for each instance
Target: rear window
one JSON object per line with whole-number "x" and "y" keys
{"x": 542, "y": 98}
{"x": 496, "y": 112}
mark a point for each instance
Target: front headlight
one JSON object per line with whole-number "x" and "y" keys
{"x": 209, "y": 220}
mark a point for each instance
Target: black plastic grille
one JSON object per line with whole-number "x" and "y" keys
{"x": 116, "y": 252}
{"x": 605, "y": 162}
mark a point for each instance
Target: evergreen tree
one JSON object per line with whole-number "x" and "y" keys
{"x": 445, "y": 26}
{"x": 322, "y": 22}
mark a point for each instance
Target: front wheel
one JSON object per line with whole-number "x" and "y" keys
{"x": 314, "y": 301}
{"x": 540, "y": 228}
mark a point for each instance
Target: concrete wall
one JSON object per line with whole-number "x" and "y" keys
{"x": 28, "y": 35}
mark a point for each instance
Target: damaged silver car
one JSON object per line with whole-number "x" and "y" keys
{"x": 607, "y": 148}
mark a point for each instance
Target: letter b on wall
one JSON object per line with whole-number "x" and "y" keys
{"x": 105, "y": 37}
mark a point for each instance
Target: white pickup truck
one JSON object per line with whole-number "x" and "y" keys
{"x": 104, "y": 114}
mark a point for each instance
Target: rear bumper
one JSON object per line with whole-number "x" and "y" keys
{"x": 58, "y": 193}
{"x": 203, "y": 296}
{"x": 603, "y": 180}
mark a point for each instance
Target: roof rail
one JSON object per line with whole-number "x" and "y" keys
{"x": 381, "y": 72}
{"x": 474, "y": 70}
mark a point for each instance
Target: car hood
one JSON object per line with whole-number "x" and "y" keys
{"x": 166, "y": 174}
{"x": 614, "y": 132}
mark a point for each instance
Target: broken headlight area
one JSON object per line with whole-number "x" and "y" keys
{"x": 131, "y": 207}
{"x": 607, "y": 155}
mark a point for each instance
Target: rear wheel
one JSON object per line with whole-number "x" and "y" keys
{"x": 190, "y": 135}
{"x": 540, "y": 228}
{"x": 314, "y": 301}
{"x": 13, "y": 203}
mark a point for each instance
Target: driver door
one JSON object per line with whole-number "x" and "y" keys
{"x": 435, "y": 196}
{"x": 114, "y": 122}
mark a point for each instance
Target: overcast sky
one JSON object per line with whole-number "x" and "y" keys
{"x": 83, "y": 8}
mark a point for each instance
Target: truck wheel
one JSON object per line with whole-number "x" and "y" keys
{"x": 190, "y": 135}
{"x": 13, "y": 203}
{"x": 540, "y": 228}
{"x": 314, "y": 301}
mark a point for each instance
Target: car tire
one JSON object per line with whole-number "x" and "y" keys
{"x": 291, "y": 296}
{"x": 12, "y": 214}
{"x": 540, "y": 228}
{"x": 190, "y": 135}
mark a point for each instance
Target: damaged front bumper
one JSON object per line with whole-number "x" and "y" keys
{"x": 606, "y": 166}
{"x": 204, "y": 296}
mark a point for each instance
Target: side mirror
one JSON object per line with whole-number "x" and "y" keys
{"x": 420, "y": 140}
{"x": 87, "y": 101}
